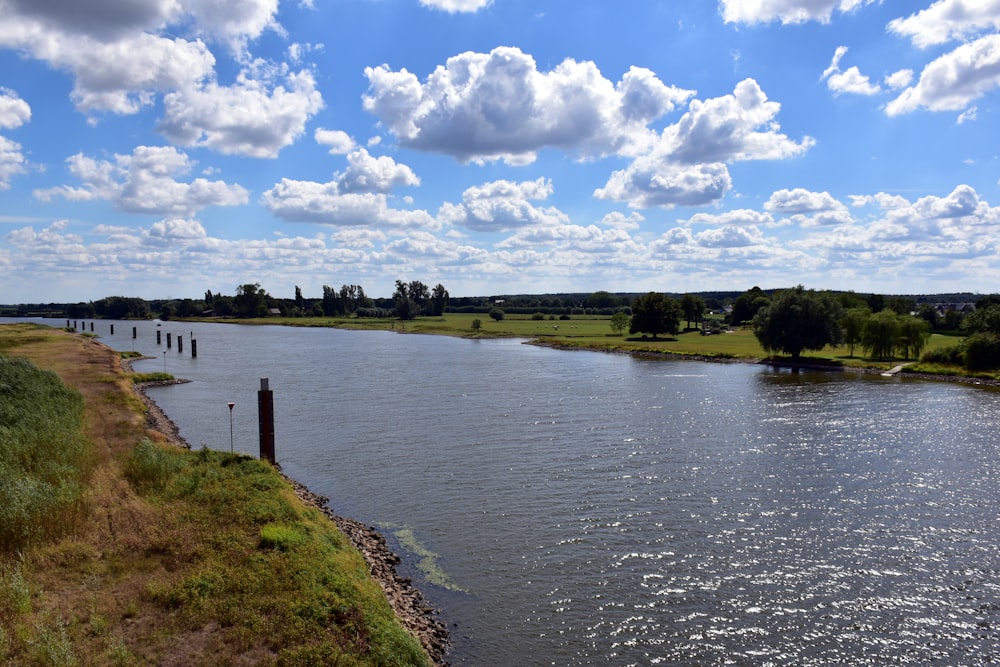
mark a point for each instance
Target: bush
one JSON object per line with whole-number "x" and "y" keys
{"x": 953, "y": 355}
{"x": 497, "y": 314}
{"x": 982, "y": 351}
{"x": 538, "y": 316}
{"x": 150, "y": 467}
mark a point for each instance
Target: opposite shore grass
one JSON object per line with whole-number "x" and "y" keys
{"x": 583, "y": 332}
{"x": 165, "y": 556}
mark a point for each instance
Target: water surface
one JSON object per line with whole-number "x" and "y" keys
{"x": 578, "y": 508}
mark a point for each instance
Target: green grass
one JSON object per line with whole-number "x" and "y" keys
{"x": 44, "y": 456}
{"x": 266, "y": 567}
{"x": 594, "y": 333}
{"x": 125, "y": 551}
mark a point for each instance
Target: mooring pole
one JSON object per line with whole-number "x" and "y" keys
{"x": 194, "y": 348}
{"x": 169, "y": 345}
{"x": 231, "y": 406}
{"x": 180, "y": 344}
{"x": 112, "y": 330}
{"x": 133, "y": 333}
{"x": 265, "y": 416}
{"x": 158, "y": 337}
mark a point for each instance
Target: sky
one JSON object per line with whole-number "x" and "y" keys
{"x": 164, "y": 148}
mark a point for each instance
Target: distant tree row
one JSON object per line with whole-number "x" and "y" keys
{"x": 795, "y": 320}
{"x": 415, "y": 298}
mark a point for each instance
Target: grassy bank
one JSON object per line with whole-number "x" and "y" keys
{"x": 123, "y": 550}
{"x": 594, "y": 333}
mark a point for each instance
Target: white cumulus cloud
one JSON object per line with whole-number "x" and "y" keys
{"x": 365, "y": 173}
{"x": 457, "y": 6}
{"x": 12, "y": 161}
{"x": 850, "y": 80}
{"x": 146, "y": 182}
{"x": 498, "y": 105}
{"x": 14, "y": 112}
{"x": 502, "y": 206}
{"x": 338, "y": 141}
{"x": 252, "y": 117}
{"x": 949, "y": 20}
{"x": 786, "y": 11}
{"x": 952, "y": 81}
{"x": 686, "y": 165}
{"x": 325, "y": 204}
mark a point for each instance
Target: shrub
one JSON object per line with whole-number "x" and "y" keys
{"x": 982, "y": 351}
{"x": 497, "y": 314}
{"x": 538, "y": 316}
{"x": 953, "y": 355}
{"x": 150, "y": 467}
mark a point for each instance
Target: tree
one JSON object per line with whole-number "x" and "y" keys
{"x": 420, "y": 294}
{"x": 476, "y": 325}
{"x": 601, "y": 299}
{"x": 299, "y": 301}
{"x": 983, "y": 320}
{"x": 439, "y": 299}
{"x": 853, "y": 325}
{"x": 797, "y": 320}
{"x": 352, "y": 297}
{"x": 901, "y": 305}
{"x": 747, "y": 305}
{"x": 693, "y": 307}
{"x": 913, "y": 335}
{"x": 618, "y": 322}
{"x": 331, "y": 302}
{"x": 251, "y": 301}
{"x": 881, "y": 334}
{"x": 496, "y": 314}
{"x": 655, "y": 313}
{"x": 406, "y": 308}
{"x": 982, "y": 351}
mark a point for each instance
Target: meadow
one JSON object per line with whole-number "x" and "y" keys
{"x": 595, "y": 333}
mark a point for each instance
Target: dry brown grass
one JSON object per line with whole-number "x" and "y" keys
{"x": 99, "y": 591}
{"x": 93, "y": 581}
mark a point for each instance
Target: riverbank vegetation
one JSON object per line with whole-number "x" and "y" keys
{"x": 118, "y": 548}
{"x": 880, "y": 331}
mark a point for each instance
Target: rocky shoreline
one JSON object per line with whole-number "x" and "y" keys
{"x": 407, "y": 602}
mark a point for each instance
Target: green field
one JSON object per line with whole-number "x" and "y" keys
{"x": 594, "y": 332}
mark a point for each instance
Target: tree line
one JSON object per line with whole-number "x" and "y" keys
{"x": 796, "y": 320}
{"x": 787, "y": 321}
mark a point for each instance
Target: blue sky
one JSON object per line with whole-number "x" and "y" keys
{"x": 162, "y": 148}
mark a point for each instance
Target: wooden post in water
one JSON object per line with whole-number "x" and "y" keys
{"x": 265, "y": 417}
{"x": 133, "y": 333}
{"x": 112, "y": 330}
{"x": 158, "y": 337}
{"x": 91, "y": 327}
{"x": 169, "y": 345}
{"x": 180, "y": 344}
{"x": 194, "y": 348}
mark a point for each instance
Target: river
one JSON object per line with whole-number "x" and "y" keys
{"x": 582, "y": 508}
